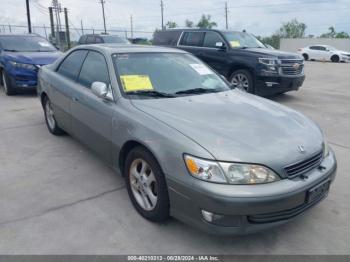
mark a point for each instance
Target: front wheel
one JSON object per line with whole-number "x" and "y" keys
{"x": 9, "y": 89}
{"x": 335, "y": 59}
{"x": 50, "y": 118}
{"x": 146, "y": 185}
{"x": 243, "y": 80}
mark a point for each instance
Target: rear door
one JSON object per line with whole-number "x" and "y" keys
{"x": 92, "y": 116}
{"x": 192, "y": 42}
{"x": 62, "y": 84}
{"x": 315, "y": 52}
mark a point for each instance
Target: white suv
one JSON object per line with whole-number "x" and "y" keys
{"x": 324, "y": 53}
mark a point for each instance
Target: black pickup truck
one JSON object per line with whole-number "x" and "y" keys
{"x": 240, "y": 58}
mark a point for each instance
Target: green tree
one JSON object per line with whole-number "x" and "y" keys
{"x": 334, "y": 34}
{"x": 189, "y": 23}
{"x": 292, "y": 29}
{"x": 205, "y": 22}
{"x": 171, "y": 24}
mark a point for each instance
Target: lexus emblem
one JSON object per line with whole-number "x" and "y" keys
{"x": 296, "y": 66}
{"x": 302, "y": 149}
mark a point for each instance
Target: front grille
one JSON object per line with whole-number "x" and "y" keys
{"x": 292, "y": 67}
{"x": 304, "y": 166}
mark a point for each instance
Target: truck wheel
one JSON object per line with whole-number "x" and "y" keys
{"x": 9, "y": 90}
{"x": 146, "y": 185}
{"x": 306, "y": 57}
{"x": 243, "y": 80}
{"x": 335, "y": 59}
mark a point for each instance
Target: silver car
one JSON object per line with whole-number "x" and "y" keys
{"x": 188, "y": 145}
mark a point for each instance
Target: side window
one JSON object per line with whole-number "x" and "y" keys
{"x": 98, "y": 40}
{"x": 192, "y": 39}
{"x": 211, "y": 39}
{"x": 322, "y": 48}
{"x": 94, "y": 70}
{"x": 315, "y": 47}
{"x": 90, "y": 40}
{"x": 82, "y": 39}
{"x": 71, "y": 65}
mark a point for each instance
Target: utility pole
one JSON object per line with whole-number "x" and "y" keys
{"x": 67, "y": 27}
{"x": 52, "y": 24}
{"x": 102, "y": 2}
{"x": 131, "y": 27}
{"x": 57, "y": 8}
{"x": 82, "y": 27}
{"x": 28, "y": 17}
{"x": 226, "y": 15}
{"x": 162, "y": 10}
{"x": 45, "y": 31}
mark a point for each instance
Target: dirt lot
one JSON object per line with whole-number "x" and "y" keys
{"x": 58, "y": 198}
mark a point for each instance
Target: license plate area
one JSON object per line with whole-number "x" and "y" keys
{"x": 318, "y": 192}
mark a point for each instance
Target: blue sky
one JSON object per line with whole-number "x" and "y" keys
{"x": 260, "y": 17}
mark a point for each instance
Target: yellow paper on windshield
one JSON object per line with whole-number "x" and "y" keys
{"x": 136, "y": 83}
{"x": 235, "y": 44}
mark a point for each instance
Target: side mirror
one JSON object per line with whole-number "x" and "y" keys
{"x": 220, "y": 45}
{"x": 99, "y": 89}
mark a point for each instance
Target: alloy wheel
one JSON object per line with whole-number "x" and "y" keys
{"x": 143, "y": 184}
{"x": 240, "y": 81}
{"x": 50, "y": 115}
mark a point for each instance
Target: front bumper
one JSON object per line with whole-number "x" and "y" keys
{"x": 272, "y": 85}
{"x": 23, "y": 80}
{"x": 248, "y": 208}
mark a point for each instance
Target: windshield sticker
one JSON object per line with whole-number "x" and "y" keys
{"x": 235, "y": 44}
{"x": 202, "y": 69}
{"x": 44, "y": 44}
{"x": 136, "y": 83}
{"x": 122, "y": 56}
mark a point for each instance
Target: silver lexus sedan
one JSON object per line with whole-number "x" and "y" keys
{"x": 188, "y": 145}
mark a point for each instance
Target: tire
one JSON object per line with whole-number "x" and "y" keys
{"x": 6, "y": 83}
{"x": 306, "y": 57}
{"x": 243, "y": 80}
{"x": 335, "y": 59}
{"x": 50, "y": 120}
{"x": 146, "y": 185}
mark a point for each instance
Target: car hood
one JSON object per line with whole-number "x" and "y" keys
{"x": 234, "y": 126}
{"x": 266, "y": 52}
{"x": 35, "y": 58}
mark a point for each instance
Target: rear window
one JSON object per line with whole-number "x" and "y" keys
{"x": 192, "y": 38}
{"x": 115, "y": 39}
{"x": 166, "y": 38}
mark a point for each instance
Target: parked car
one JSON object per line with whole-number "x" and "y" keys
{"x": 324, "y": 53}
{"x": 98, "y": 39}
{"x": 191, "y": 147}
{"x": 21, "y": 56}
{"x": 240, "y": 58}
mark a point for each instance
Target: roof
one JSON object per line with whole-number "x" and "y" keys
{"x": 30, "y": 35}
{"x": 120, "y": 48}
{"x": 197, "y": 30}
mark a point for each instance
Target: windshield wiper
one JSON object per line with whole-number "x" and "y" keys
{"x": 197, "y": 91}
{"x": 151, "y": 93}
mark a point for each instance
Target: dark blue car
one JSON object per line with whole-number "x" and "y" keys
{"x": 21, "y": 56}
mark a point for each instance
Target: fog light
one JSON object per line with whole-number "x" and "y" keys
{"x": 221, "y": 220}
{"x": 208, "y": 216}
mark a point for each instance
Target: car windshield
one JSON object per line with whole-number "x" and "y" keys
{"x": 115, "y": 39}
{"x": 242, "y": 40}
{"x": 331, "y": 48}
{"x": 26, "y": 44}
{"x": 165, "y": 75}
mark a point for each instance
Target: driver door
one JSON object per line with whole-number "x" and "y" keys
{"x": 91, "y": 115}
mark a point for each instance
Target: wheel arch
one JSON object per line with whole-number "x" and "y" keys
{"x": 43, "y": 95}
{"x": 241, "y": 67}
{"x": 126, "y": 149}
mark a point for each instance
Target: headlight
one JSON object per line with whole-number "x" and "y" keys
{"x": 270, "y": 64}
{"x": 230, "y": 173}
{"x": 268, "y": 61}
{"x": 23, "y": 66}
